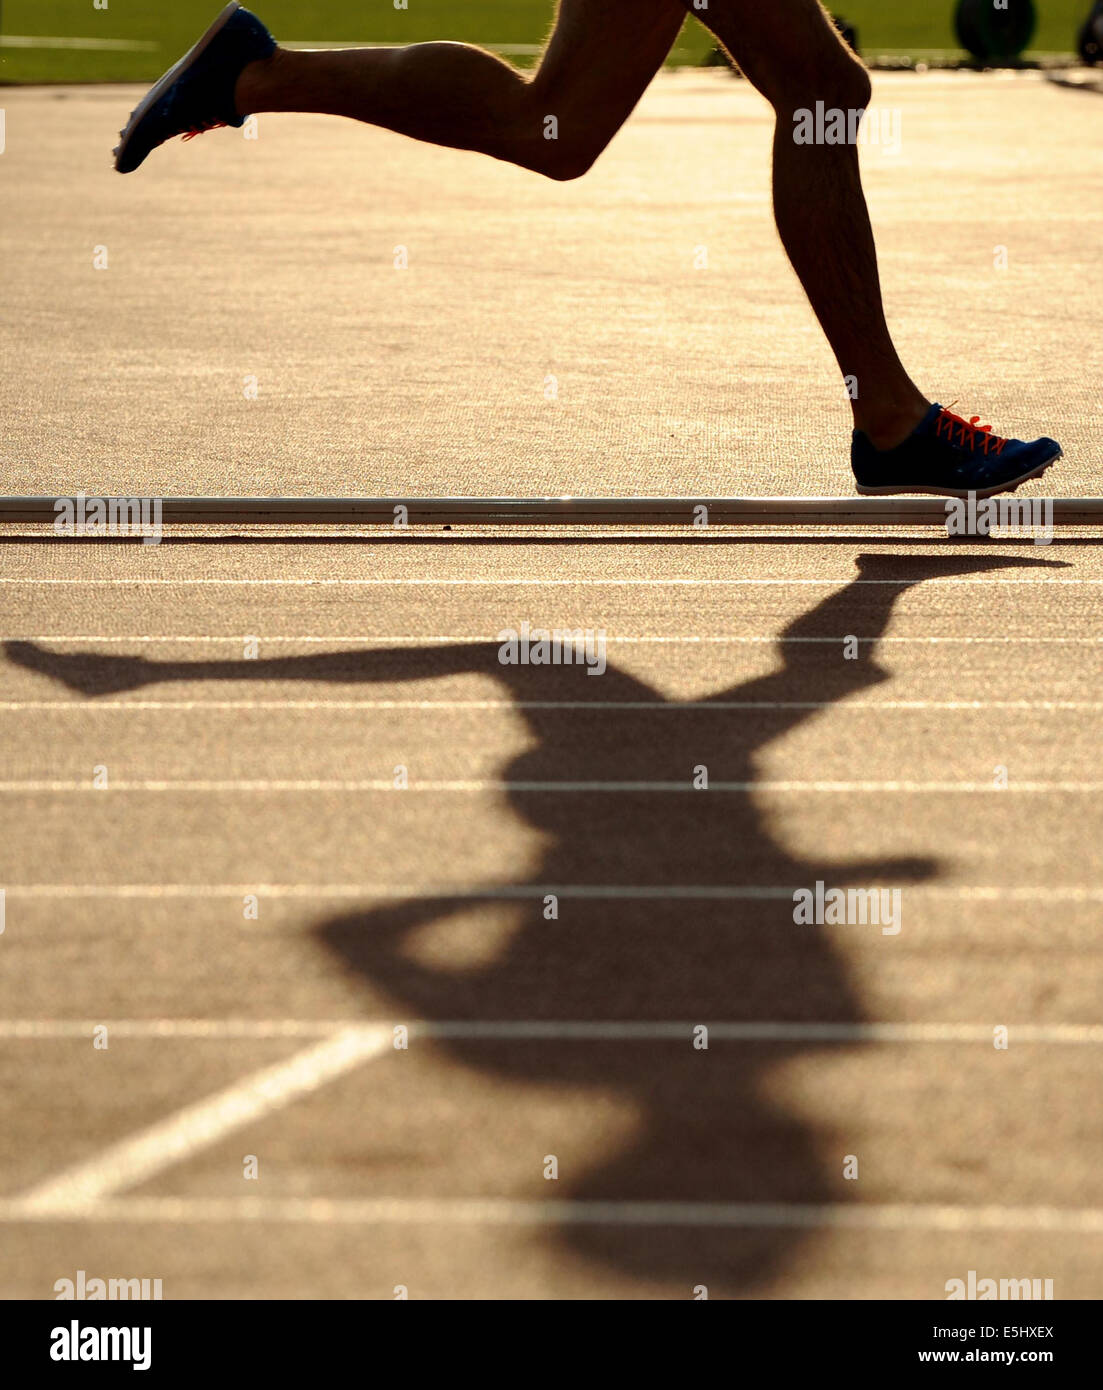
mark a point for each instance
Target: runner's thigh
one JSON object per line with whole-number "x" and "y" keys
{"x": 600, "y": 58}
{"x": 788, "y": 48}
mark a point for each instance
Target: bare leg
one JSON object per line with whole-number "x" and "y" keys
{"x": 792, "y": 54}
{"x": 600, "y": 58}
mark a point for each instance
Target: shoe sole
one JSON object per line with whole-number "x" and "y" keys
{"x": 957, "y": 492}
{"x": 161, "y": 86}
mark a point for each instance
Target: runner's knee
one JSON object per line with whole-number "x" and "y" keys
{"x": 854, "y": 90}
{"x": 565, "y": 160}
{"x": 554, "y": 141}
{"x": 836, "y": 78}
{"x": 799, "y": 65}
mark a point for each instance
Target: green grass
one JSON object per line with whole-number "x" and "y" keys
{"x": 894, "y": 28}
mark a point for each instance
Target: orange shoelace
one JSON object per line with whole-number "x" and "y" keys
{"x": 970, "y": 432}
{"x": 202, "y": 129}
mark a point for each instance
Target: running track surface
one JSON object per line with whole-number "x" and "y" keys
{"x": 272, "y": 775}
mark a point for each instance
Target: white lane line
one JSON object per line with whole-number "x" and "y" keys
{"x": 18, "y": 706}
{"x": 384, "y": 784}
{"x": 242, "y": 1029}
{"x": 342, "y": 639}
{"x": 622, "y": 706}
{"x": 509, "y": 49}
{"x": 519, "y": 892}
{"x": 91, "y": 45}
{"x": 843, "y": 581}
{"x": 506, "y": 1212}
{"x": 134, "y": 1160}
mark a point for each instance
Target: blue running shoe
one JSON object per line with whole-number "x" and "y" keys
{"x": 198, "y": 93}
{"x": 949, "y": 457}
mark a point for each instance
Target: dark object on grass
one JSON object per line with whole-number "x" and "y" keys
{"x": 848, "y": 31}
{"x": 1090, "y": 43}
{"x": 720, "y": 58}
{"x": 995, "y": 35}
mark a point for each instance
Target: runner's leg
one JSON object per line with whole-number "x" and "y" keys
{"x": 791, "y": 52}
{"x": 600, "y": 58}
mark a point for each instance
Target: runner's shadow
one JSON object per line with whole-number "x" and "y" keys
{"x": 708, "y": 1130}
